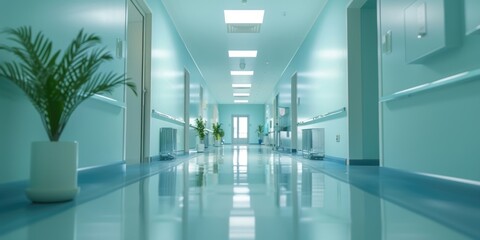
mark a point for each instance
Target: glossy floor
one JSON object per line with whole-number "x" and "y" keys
{"x": 242, "y": 192}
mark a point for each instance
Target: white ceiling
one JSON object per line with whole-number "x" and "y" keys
{"x": 201, "y": 25}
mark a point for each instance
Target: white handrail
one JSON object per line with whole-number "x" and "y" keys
{"x": 108, "y": 100}
{"x": 457, "y": 78}
{"x": 162, "y": 116}
{"x": 323, "y": 117}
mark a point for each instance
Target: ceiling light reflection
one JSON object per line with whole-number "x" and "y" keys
{"x": 241, "y": 201}
{"x": 241, "y": 227}
{"x": 241, "y": 190}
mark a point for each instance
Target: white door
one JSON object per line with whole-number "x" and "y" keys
{"x": 134, "y": 112}
{"x": 239, "y": 129}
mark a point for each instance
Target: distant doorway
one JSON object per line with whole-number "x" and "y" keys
{"x": 240, "y": 129}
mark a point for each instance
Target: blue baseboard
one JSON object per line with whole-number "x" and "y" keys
{"x": 353, "y": 162}
{"x": 364, "y": 162}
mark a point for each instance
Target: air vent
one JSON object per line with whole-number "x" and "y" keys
{"x": 243, "y": 27}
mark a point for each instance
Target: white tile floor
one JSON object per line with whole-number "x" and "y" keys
{"x": 237, "y": 193}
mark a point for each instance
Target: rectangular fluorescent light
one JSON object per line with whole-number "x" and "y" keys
{"x": 241, "y": 94}
{"x": 240, "y": 101}
{"x": 244, "y": 16}
{"x": 241, "y": 73}
{"x": 246, "y": 54}
{"x": 241, "y": 85}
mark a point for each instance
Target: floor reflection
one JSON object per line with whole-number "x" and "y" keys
{"x": 238, "y": 192}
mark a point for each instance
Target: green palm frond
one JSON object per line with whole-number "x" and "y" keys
{"x": 56, "y": 85}
{"x": 217, "y": 130}
{"x": 200, "y": 126}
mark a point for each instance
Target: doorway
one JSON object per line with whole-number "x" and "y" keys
{"x": 240, "y": 129}
{"x": 363, "y": 84}
{"x": 137, "y": 115}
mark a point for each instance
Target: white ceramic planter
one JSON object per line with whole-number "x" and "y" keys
{"x": 200, "y": 147}
{"x": 53, "y": 171}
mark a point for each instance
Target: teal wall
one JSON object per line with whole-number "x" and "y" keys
{"x": 170, "y": 58}
{"x": 321, "y": 65}
{"x": 370, "y": 134}
{"x": 437, "y": 131}
{"x": 97, "y": 126}
{"x": 363, "y": 127}
{"x": 256, "y": 113}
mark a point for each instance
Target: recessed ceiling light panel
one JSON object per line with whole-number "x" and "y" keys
{"x": 244, "y": 16}
{"x": 241, "y": 85}
{"x": 240, "y": 101}
{"x": 241, "y": 94}
{"x": 246, "y": 54}
{"x": 241, "y": 73}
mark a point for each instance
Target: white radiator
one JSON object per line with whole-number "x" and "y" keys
{"x": 168, "y": 143}
{"x": 313, "y": 143}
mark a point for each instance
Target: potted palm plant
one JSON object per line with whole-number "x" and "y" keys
{"x": 200, "y": 126}
{"x": 260, "y": 133}
{"x": 56, "y": 84}
{"x": 222, "y": 134}
{"x": 217, "y": 133}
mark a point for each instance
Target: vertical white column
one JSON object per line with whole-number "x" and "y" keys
{"x": 293, "y": 113}
{"x": 186, "y": 112}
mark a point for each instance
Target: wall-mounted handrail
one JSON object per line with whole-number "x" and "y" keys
{"x": 454, "y": 79}
{"x": 323, "y": 117}
{"x": 162, "y": 116}
{"x": 108, "y": 100}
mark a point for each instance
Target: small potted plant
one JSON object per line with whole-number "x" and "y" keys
{"x": 56, "y": 84}
{"x": 200, "y": 126}
{"x": 260, "y": 133}
{"x": 217, "y": 133}
{"x": 222, "y": 133}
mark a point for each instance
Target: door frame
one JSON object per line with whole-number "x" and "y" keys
{"x": 359, "y": 85}
{"x": 145, "y": 94}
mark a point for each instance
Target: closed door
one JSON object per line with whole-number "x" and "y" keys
{"x": 134, "y": 112}
{"x": 239, "y": 129}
